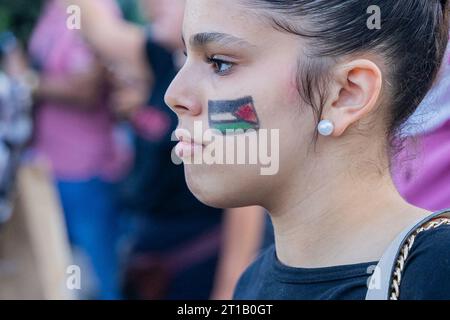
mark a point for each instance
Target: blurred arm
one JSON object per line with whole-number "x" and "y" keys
{"x": 114, "y": 39}
{"x": 81, "y": 90}
{"x": 243, "y": 234}
{"x": 121, "y": 46}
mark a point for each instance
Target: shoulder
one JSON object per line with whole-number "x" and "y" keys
{"x": 427, "y": 269}
{"x": 246, "y": 287}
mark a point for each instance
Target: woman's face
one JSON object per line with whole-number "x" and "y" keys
{"x": 240, "y": 73}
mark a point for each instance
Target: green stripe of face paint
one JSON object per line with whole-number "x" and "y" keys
{"x": 241, "y": 125}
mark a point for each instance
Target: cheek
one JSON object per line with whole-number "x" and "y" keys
{"x": 292, "y": 95}
{"x": 278, "y": 103}
{"x": 283, "y": 109}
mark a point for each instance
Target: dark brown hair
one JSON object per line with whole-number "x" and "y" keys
{"x": 412, "y": 39}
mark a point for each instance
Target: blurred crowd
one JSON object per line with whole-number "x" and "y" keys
{"x": 89, "y": 102}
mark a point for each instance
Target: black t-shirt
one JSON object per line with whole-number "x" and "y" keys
{"x": 426, "y": 275}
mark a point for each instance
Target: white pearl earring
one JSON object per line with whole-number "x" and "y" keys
{"x": 325, "y": 127}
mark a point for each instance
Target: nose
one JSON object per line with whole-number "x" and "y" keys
{"x": 182, "y": 95}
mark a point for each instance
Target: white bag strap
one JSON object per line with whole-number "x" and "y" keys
{"x": 385, "y": 281}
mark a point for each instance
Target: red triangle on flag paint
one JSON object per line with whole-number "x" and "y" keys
{"x": 247, "y": 113}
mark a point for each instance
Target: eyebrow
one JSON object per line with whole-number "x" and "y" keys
{"x": 201, "y": 40}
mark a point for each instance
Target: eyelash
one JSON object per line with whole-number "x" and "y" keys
{"x": 215, "y": 62}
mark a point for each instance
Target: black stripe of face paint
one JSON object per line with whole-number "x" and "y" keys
{"x": 230, "y": 115}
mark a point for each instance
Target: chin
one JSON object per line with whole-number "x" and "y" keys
{"x": 215, "y": 187}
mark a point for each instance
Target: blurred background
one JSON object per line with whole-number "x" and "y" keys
{"x": 91, "y": 204}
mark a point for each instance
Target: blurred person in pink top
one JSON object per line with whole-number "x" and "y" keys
{"x": 422, "y": 169}
{"x": 74, "y": 131}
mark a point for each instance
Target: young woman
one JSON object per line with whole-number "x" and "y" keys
{"x": 337, "y": 90}
{"x": 178, "y": 251}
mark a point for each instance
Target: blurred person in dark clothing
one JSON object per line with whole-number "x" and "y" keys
{"x": 179, "y": 243}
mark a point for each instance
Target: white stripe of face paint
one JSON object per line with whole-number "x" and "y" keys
{"x": 223, "y": 117}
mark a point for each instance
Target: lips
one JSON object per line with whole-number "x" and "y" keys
{"x": 187, "y": 147}
{"x": 184, "y": 135}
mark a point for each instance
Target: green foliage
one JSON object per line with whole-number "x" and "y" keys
{"x": 20, "y": 16}
{"x": 131, "y": 11}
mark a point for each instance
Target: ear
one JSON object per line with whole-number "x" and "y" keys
{"x": 355, "y": 93}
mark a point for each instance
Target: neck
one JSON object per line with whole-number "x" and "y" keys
{"x": 346, "y": 219}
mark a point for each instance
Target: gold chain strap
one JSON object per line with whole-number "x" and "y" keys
{"x": 404, "y": 253}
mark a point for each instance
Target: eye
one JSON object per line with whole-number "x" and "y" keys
{"x": 221, "y": 66}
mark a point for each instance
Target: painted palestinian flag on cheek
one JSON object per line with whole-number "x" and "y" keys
{"x": 233, "y": 115}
